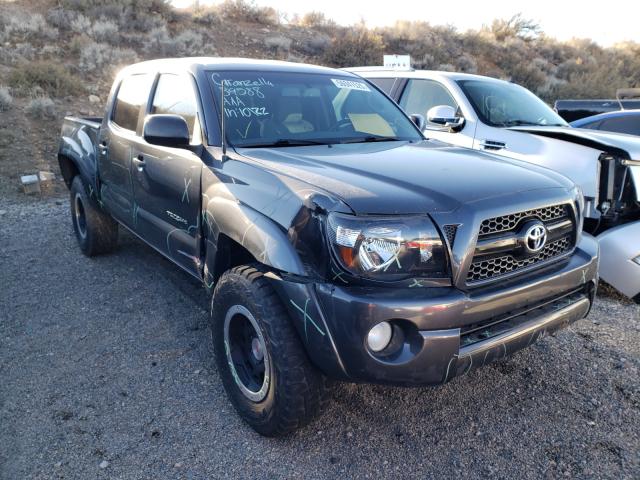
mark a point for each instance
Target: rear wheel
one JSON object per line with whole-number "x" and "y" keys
{"x": 263, "y": 365}
{"x": 95, "y": 231}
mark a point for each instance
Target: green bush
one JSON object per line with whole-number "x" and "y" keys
{"x": 48, "y": 77}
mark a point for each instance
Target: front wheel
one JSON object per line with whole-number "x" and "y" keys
{"x": 263, "y": 365}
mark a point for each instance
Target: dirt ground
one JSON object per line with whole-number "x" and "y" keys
{"x": 106, "y": 371}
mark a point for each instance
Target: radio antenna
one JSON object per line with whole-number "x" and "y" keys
{"x": 223, "y": 141}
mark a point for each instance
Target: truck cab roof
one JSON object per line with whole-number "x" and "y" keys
{"x": 383, "y": 72}
{"x": 196, "y": 64}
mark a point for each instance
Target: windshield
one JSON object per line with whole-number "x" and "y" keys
{"x": 502, "y": 104}
{"x": 289, "y": 109}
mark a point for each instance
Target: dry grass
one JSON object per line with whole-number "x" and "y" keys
{"x": 46, "y": 77}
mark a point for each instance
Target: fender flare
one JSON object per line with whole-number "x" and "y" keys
{"x": 266, "y": 241}
{"x": 81, "y": 153}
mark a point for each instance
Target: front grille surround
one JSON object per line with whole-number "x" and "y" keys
{"x": 488, "y": 266}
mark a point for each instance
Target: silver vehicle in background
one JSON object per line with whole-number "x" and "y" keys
{"x": 500, "y": 117}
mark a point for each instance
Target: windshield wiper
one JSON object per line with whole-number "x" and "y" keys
{"x": 286, "y": 142}
{"x": 519, "y": 123}
{"x": 372, "y": 138}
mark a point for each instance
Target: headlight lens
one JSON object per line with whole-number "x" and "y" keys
{"x": 388, "y": 248}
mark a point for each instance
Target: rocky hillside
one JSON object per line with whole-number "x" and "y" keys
{"x": 59, "y": 57}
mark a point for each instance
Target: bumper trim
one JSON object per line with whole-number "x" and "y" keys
{"x": 529, "y": 332}
{"x": 541, "y": 325}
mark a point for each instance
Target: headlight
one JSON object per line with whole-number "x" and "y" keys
{"x": 387, "y": 248}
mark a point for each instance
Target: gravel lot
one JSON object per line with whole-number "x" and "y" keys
{"x": 106, "y": 371}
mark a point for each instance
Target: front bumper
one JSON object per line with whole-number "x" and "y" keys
{"x": 618, "y": 248}
{"x": 446, "y": 332}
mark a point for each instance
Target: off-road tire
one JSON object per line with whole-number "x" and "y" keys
{"x": 95, "y": 230}
{"x": 296, "y": 390}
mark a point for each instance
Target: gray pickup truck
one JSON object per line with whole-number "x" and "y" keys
{"x": 335, "y": 240}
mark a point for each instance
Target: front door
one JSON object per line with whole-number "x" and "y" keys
{"x": 166, "y": 181}
{"x": 420, "y": 95}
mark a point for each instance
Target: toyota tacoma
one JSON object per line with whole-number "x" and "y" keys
{"x": 334, "y": 240}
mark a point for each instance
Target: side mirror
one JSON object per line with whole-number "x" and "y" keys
{"x": 445, "y": 117}
{"x": 166, "y": 131}
{"x": 418, "y": 120}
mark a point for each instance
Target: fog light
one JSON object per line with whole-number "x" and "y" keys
{"x": 379, "y": 336}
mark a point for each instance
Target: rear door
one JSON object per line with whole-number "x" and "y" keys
{"x": 166, "y": 181}
{"x": 117, "y": 140}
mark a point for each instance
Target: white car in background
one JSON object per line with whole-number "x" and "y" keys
{"x": 505, "y": 119}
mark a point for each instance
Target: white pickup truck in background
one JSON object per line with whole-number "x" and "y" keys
{"x": 500, "y": 117}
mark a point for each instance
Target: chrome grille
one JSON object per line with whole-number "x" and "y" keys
{"x": 506, "y": 223}
{"x": 494, "y": 267}
{"x": 493, "y": 261}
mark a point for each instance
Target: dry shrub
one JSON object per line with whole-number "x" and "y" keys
{"x": 95, "y": 56}
{"x": 46, "y": 76}
{"x": 355, "y": 46}
{"x": 278, "y": 43}
{"x": 316, "y": 20}
{"x": 6, "y": 100}
{"x": 249, "y": 12}
{"x": 41, "y": 107}
{"x": 26, "y": 25}
{"x": 187, "y": 42}
{"x": 104, "y": 30}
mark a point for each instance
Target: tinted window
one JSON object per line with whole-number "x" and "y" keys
{"x": 626, "y": 124}
{"x": 266, "y": 108}
{"x": 384, "y": 84}
{"x": 502, "y": 104}
{"x": 132, "y": 94}
{"x": 421, "y": 95}
{"x": 175, "y": 95}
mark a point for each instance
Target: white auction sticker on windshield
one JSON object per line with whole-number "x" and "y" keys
{"x": 350, "y": 84}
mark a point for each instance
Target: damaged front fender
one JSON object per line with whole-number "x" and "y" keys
{"x": 620, "y": 258}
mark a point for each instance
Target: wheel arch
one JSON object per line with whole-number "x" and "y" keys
{"x": 236, "y": 234}
{"x": 68, "y": 168}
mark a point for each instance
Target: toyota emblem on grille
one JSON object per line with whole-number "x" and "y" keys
{"x": 535, "y": 238}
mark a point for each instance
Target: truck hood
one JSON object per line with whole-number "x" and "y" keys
{"x": 403, "y": 178}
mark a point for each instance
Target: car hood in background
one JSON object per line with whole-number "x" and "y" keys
{"x": 402, "y": 178}
{"x": 587, "y": 137}
{"x": 619, "y": 144}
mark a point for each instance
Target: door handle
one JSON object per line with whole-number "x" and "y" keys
{"x": 140, "y": 163}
